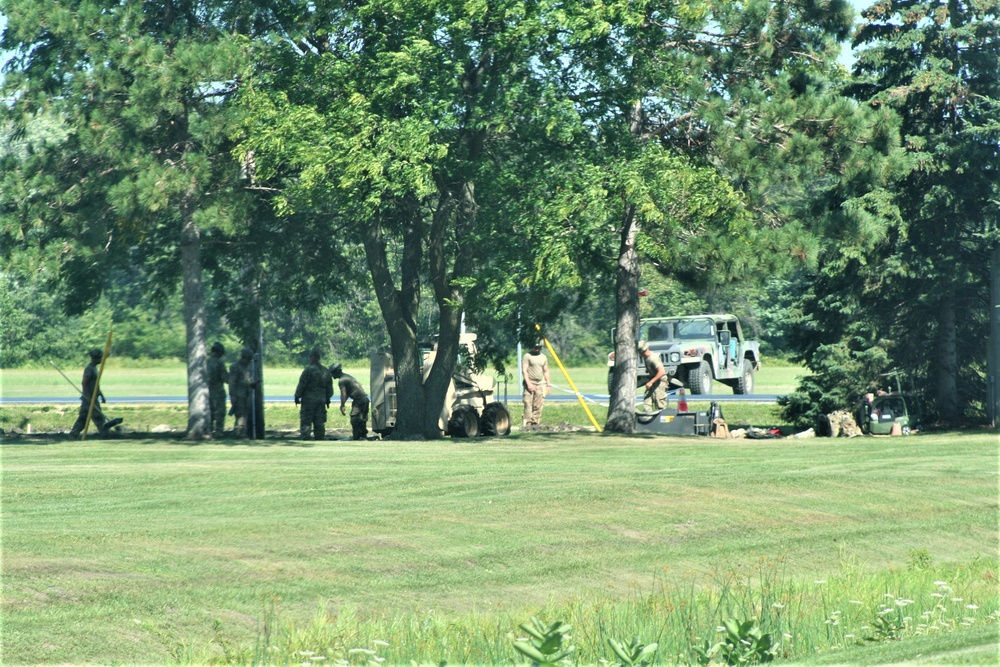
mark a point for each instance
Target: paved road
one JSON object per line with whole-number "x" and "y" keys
{"x": 557, "y": 398}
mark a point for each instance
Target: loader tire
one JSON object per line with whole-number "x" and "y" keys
{"x": 495, "y": 419}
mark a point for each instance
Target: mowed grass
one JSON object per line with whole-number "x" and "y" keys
{"x": 170, "y": 379}
{"x": 161, "y": 551}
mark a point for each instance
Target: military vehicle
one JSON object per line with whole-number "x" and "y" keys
{"x": 697, "y": 350}
{"x": 885, "y": 411}
{"x": 470, "y": 406}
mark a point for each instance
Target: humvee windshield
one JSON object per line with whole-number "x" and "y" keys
{"x": 656, "y": 331}
{"x": 695, "y": 330}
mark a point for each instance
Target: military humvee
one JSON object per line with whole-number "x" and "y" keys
{"x": 470, "y": 406}
{"x": 698, "y": 349}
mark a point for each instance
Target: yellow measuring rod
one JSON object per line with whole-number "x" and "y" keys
{"x": 576, "y": 391}
{"x": 97, "y": 388}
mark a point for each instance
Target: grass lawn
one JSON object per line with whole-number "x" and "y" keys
{"x": 155, "y": 551}
{"x": 169, "y": 379}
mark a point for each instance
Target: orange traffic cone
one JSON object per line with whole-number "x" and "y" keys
{"x": 682, "y": 402}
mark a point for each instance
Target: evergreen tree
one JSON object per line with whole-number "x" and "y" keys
{"x": 916, "y": 299}
{"x": 144, "y": 172}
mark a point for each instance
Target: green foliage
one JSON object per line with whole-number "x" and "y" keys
{"x": 544, "y": 645}
{"x": 634, "y": 654}
{"x": 908, "y": 294}
{"x": 743, "y": 644}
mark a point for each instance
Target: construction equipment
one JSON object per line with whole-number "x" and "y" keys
{"x": 470, "y": 406}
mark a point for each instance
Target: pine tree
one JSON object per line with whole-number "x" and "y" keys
{"x": 144, "y": 170}
{"x": 918, "y": 299}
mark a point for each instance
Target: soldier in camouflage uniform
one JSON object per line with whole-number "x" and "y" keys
{"x": 241, "y": 382}
{"x": 351, "y": 388}
{"x": 656, "y": 386}
{"x": 313, "y": 393}
{"x": 90, "y": 374}
{"x": 217, "y": 389}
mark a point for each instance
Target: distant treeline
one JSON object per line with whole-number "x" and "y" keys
{"x": 35, "y": 328}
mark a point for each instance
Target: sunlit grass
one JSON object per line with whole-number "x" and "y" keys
{"x": 161, "y": 551}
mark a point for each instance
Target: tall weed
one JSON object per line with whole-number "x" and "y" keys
{"x": 683, "y": 619}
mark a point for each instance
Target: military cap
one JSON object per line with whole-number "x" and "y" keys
{"x": 642, "y": 346}
{"x": 336, "y": 369}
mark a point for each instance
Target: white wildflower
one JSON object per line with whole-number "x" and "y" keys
{"x": 972, "y": 606}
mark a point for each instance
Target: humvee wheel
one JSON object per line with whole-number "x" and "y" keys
{"x": 744, "y": 383}
{"x": 464, "y": 422}
{"x": 495, "y": 419}
{"x": 700, "y": 379}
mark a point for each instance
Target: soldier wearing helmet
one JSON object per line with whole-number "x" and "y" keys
{"x": 313, "y": 394}
{"x": 351, "y": 388}
{"x": 90, "y": 385}
{"x": 656, "y": 387}
{"x": 217, "y": 389}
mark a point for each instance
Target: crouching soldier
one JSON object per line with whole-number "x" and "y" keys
{"x": 351, "y": 388}
{"x": 90, "y": 385}
{"x": 313, "y": 393}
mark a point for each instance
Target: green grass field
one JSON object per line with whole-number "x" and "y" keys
{"x": 166, "y": 380}
{"x": 169, "y": 379}
{"x": 160, "y": 551}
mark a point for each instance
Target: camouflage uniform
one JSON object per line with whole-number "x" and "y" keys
{"x": 351, "y": 388}
{"x": 90, "y": 374}
{"x": 217, "y": 389}
{"x": 241, "y": 381}
{"x": 313, "y": 392}
{"x": 656, "y": 394}
{"x": 535, "y": 369}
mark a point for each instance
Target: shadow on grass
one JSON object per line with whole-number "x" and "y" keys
{"x": 276, "y": 439}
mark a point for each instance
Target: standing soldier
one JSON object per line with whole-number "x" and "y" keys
{"x": 535, "y": 371}
{"x": 351, "y": 388}
{"x": 217, "y": 389}
{"x": 241, "y": 382}
{"x": 656, "y": 387}
{"x": 90, "y": 374}
{"x": 313, "y": 393}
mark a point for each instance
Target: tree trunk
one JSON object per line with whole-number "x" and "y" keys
{"x": 621, "y": 411}
{"x": 195, "y": 319}
{"x": 947, "y": 364}
{"x": 993, "y": 354}
{"x": 458, "y": 203}
{"x": 399, "y": 310}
